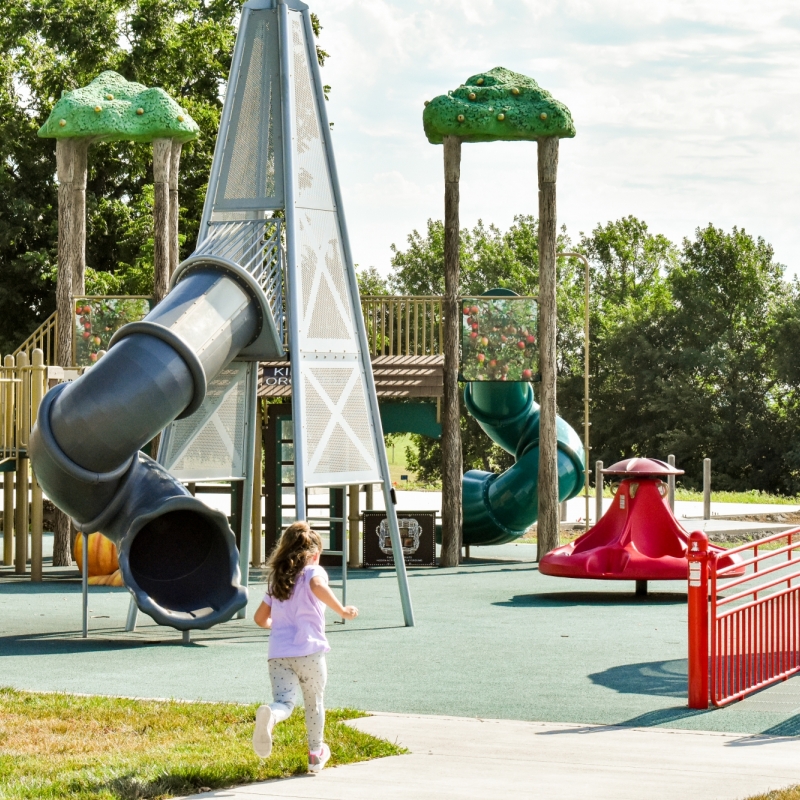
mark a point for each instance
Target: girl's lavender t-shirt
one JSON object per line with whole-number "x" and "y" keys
{"x": 298, "y": 624}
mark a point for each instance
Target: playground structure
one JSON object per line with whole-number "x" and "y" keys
{"x": 177, "y": 556}
{"x": 501, "y": 508}
{"x": 638, "y": 538}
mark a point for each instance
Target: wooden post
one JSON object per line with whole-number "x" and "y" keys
{"x": 174, "y": 206}
{"x": 162, "y": 155}
{"x": 451, "y": 413}
{"x": 598, "y": 491}
{"x": 21, "y": 522}
{"x": 71, "y": 157}
{"x": 353, "y": 518}
{"x": 257, "y": 526}
{"x": 548, "y": 528}
{"x": 8, "y": 477}
{"x": 38, "y": 378}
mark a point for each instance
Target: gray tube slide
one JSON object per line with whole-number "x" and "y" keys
{"x": 178, "y": 557}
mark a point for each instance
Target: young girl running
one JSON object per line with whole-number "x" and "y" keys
{"x": 294, "y": 608}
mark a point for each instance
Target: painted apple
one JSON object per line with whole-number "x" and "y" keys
{"x": 474, "y": 326}
{"x": 87, "y": 326}
{"x": 86, "y": 334}
{"x": 466, "y": 311}
{"x": 530, "y": 339}
{"x": 97, "y": 340}
{"x": 527, "y": 374}
{"x": 493, "y": 363}
{"x": 474, "y": 310}
{"x": 521, "y": 345}
{"x": 92, "y": 356}
{"x": 87, "y": 309}
{"x": 481, "y": 358}
{"x": 484, "y": 341}
{"x": 473, "y": 335}
{"x": 503, "y": 338}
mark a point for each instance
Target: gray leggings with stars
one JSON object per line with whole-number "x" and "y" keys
{"x": 309, "y": 674}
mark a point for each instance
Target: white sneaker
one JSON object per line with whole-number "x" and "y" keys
{"x": 262, "y": 735}
{"x": 317, "y": 761}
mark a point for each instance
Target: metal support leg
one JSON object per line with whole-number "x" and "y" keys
{"x": 397, "y": 552}
{"x": 249, "y": 459}
{"x": 641, "y": 588}
{"x": 133, "y": 616}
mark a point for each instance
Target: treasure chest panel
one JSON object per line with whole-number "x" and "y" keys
{"x": 417, "y": 535}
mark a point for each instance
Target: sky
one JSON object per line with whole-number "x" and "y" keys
{"x": 687, "y": 112}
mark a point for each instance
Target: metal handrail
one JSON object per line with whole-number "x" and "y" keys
{"x": 756, "y": 643}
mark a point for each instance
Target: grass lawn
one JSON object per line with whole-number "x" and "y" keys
{"x": 752, "y": 496}
{"x": 106, "y": 748}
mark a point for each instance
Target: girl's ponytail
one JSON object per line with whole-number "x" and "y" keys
{"x": 289, "y": 558}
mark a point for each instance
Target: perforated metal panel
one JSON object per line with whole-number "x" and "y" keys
{"x": 210, "y": 444}
{"x": 251, "y": 170}
{"x": 339, "y": 428}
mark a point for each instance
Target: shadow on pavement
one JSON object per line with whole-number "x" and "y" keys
{"x": 661, "y": 678}
{"x": 789, "y": 727}
{"x": 556, "y": 599}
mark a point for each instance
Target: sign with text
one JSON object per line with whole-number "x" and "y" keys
{"x": 276, "y": 376}
{"x": 417, "y": 534}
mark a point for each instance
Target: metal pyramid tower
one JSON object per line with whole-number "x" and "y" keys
{"x": 274, "y": 196}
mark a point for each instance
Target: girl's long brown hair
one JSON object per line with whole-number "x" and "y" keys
{"x": 289, "y": 558}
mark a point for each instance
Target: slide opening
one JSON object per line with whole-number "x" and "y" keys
{"x": 182, "y": 561}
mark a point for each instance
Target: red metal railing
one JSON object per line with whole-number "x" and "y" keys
{"x": 754, "y": 619}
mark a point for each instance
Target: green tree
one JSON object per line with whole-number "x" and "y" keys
{"x": 722, "y": 387}
{"x": 185, "y": 47}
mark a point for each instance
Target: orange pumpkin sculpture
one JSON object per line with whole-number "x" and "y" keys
{"x": 103, "y": 564}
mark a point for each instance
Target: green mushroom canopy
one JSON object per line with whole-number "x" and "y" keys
{"x": 494, "y": 106}
{"x": 113, "y": 109}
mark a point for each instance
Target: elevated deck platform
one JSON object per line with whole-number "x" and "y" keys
{"x": 395, "y": 377}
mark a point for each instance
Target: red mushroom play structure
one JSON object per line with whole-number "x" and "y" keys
{"x": 637, "y": 539}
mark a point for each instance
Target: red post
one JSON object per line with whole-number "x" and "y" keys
{"x": 698, "y": 620}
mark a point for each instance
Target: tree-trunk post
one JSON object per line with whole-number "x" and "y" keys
{"x": 548, "y": 526}
{"x": 451, "y": 414}
{"x": 71, "y": 158}
{"x": 71, "y": 168}
{"x": 174, "y": 207}
{"x": 162, "y": 156}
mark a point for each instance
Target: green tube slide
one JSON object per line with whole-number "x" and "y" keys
{"x": 500, "y": 508}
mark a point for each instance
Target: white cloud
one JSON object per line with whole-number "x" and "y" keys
{"x": 687, "y": 112}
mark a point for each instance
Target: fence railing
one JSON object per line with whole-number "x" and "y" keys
{"x": 44, "y": 338}
{"x": 22, "y": 387}
{"x": 754, "y": 619}
{"x": 403, "y": 325}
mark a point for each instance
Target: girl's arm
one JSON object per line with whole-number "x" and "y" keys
{"x": 263, "y": 617}
{"x": 325, "y": 595}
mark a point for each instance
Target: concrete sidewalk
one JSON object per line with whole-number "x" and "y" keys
{"x": 454, "y": 757}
